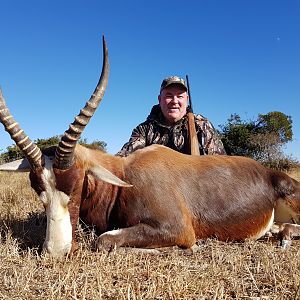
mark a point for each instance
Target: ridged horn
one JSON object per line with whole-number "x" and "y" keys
{"x": 64, "y": 155}
{"x": 31, "y": 150}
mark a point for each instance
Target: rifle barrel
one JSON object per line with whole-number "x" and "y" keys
{"x": 189, "y": 93}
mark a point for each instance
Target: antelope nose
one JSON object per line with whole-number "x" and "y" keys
{"x": 56, "y": 251}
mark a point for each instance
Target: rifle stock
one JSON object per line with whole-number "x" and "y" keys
{"x": 194, "y": 143}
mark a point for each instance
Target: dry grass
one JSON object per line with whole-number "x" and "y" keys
{"x": 295, "y": 174}
{"x": 251, "y": 270}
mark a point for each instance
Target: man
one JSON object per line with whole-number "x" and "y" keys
{"x": 167, "y": 124}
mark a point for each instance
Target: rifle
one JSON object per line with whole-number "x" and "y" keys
{"x": 194, "y": 143}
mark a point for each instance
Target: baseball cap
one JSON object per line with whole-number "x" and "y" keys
{"x": 172, "y": 80}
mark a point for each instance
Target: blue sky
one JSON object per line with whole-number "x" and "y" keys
{"x": 241, "y": 57}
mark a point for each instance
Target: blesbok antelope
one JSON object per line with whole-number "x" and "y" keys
{"x": 155, "y": 197}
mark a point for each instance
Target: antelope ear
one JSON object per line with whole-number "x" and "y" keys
{"x": 20, "y": 165}
{"x": 103, "y": 174}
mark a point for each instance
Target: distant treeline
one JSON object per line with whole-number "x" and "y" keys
{"x": 262, "y": 139}
{"x": 13, "y": 152}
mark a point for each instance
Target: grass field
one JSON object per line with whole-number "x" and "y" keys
{"x": 250, "y": 270}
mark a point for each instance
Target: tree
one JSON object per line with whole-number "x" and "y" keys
{"x": 96, "y": 144}
{"x": 13, "y": 152}
{"x": 45, "y": 143}
{"x": 262, "y": 139}
{"x": 236, "y": 135}
{"x": 276, "y": 123}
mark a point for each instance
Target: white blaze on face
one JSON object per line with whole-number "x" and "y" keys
{"x": 58, "y": 240}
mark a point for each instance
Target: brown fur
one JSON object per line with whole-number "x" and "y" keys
{"x": 288, "y": 231}
{"x": 175, "y": 198}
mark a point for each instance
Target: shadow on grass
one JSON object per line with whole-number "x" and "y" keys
{"x": 30, "y": 232}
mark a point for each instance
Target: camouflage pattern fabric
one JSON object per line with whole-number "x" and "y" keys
{"x": 155, "y": 131}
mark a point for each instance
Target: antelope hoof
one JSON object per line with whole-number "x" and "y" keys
{"x": 285, "y": 244}
{"x": 103, "y": 243}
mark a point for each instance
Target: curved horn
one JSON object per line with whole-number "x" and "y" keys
{"x": 64, "y": 154}
{"x": 31, "y": 150}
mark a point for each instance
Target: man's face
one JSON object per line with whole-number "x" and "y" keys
{"x": 173, "y": 102}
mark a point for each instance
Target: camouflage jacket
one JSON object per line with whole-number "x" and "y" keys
{"x": 155, "y": 131}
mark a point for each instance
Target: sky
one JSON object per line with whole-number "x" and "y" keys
{"x": 241, "y": 56}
